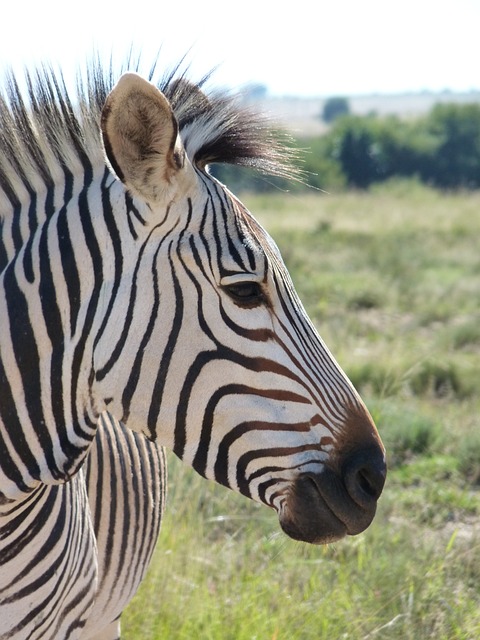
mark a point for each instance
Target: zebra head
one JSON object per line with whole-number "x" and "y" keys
{"x": 217, "y": 358}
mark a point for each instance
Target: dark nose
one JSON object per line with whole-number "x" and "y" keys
{"x": 364, "y": 474}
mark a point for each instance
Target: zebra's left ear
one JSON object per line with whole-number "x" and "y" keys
{"x": 140, "y": 136}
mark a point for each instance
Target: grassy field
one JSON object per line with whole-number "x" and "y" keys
{"x": 392, "y": 280}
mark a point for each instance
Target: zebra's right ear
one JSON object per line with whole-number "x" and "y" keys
{"x": 140, "y": 136}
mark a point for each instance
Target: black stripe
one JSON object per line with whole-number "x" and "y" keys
{"x": 115, "y": 240}
{"x": 53, "y": 323}
{"x": 93, "y": 248}
{"x": 232, "y": 249}
{"x": 28, "y": 359}
{"x": 69, "y": 268}
{"x": 167, "y": 354}
{"x": 138, "y": 361}
{"x": 9, "y": 415}
{"x": 243, "y": 481}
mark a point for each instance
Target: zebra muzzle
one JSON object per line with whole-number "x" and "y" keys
{"x": 326, "y": 506}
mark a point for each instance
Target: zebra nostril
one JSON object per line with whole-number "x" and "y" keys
{"x": 364, "y": 475}
{"x": 368, "y": 483}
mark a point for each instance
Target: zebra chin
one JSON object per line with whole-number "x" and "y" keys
{"x": 324, "y": 507}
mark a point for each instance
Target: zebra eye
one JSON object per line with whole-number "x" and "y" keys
{"x": 246, "y": 294}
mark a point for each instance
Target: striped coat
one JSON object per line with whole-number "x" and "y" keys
{"x": 137, "y": 290}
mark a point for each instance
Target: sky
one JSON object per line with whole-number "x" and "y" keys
{"x": 296, "y": 48}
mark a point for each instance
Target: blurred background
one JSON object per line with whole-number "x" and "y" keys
{"x": 389, "y": 65}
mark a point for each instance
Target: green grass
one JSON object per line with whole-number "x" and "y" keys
{"x": 392, "y": 280}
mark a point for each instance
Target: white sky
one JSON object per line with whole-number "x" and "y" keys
{"x": 307, "y": 48}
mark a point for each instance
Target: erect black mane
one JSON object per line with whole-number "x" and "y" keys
{"x": 45, "y": 131}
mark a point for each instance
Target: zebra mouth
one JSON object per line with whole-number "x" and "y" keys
{"x": 325, "y": 507}
{"x": 308, "y": 517}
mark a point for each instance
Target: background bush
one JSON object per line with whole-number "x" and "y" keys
{"x": 441, "y": 149}
{"x": 334, "y": 108}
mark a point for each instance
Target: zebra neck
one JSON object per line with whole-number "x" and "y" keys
{"x": 52, "y": 301}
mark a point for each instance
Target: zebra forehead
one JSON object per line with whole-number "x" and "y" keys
{"x": 256, "y": 238}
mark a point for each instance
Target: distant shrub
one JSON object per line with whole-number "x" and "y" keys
{"x": 366, "y": 299}
{"x": 434, "y": 378}
{"x": 334, "y": 108}
{"x": 466, "y": 334}
{"x": 352, "y": 145}
{"x": 368, "y": 149}
{"x": 456, "y": 161}
{"x": 439, "y": 379}
{"x": 442, "y": 149}
{"x": 407, "y": 432}
{"x": 469, "y": 457}
{"x": 411, "y": 434}
{"x": 374, "y": 378}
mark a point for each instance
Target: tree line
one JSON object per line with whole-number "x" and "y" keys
{"x": 441, "y": 149}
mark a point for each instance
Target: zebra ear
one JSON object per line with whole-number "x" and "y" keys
{"x": 140, "y": 136}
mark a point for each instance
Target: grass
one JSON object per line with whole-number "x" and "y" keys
{"x": 392, "y": 280}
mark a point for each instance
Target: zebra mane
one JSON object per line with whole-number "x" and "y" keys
{"x": 46, "y": 132}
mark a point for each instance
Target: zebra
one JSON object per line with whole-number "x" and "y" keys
{"x": 143, "y": 306}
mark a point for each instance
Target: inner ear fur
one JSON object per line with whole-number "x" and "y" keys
{"x": 140, "y": 136}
